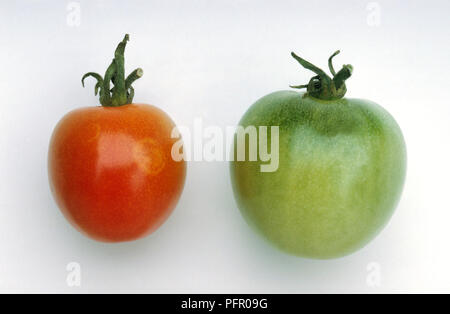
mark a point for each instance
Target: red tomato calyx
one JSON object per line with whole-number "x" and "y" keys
{"x": 122, "y": 93}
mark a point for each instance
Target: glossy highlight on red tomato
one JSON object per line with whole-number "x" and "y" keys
{"x": 111, "y": 170}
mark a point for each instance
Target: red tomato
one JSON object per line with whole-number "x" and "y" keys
{"x": 110, "y": 167}
{"x": 111, "y": 170}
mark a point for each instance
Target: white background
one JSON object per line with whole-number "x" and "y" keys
{"x": 212, "y": 60}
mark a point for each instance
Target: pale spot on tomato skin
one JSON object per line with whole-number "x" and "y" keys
{"x": 149, "y": 156}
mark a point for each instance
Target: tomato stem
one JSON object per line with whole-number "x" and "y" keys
{"x": 330, "y": 62}
{"x": 323, "y": 86}
{"x": 122, "y": 93}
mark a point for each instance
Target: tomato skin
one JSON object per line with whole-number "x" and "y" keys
{"x": 342, "y": 166}
{"x": 111, "y": 170}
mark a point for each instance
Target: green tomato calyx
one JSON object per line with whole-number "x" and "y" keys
{"x": 122, "y": 93}
{"x": 323, "y": 86}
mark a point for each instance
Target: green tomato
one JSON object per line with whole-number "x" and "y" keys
{"x": 342, "y": 165}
